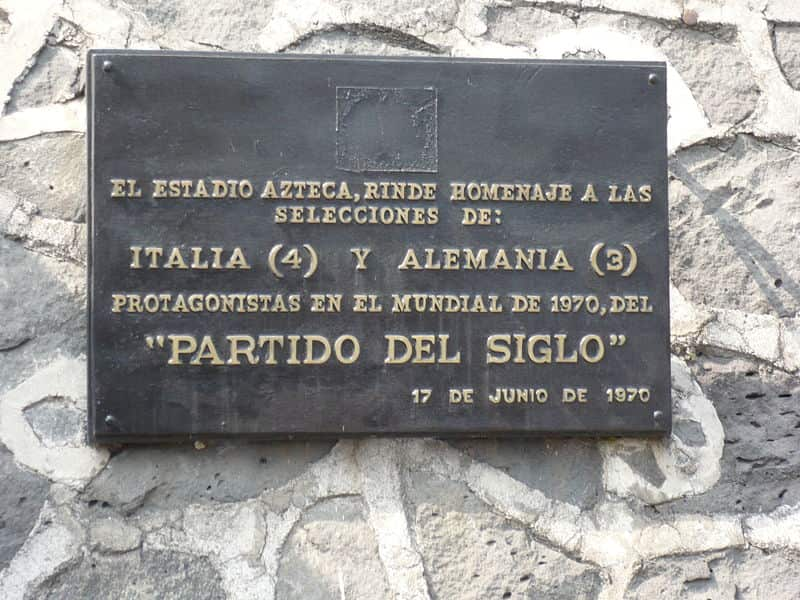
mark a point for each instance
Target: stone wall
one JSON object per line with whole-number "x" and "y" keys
{"x": 712, "y": 512}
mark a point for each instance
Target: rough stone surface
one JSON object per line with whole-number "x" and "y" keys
{"x": 332, "y": 553}
{"x": 716, "y": 71}
{"x": 712, "y": 511}
{"x": 112, "y": 534}
{"x": 22, "y": 495}
{"x": 525, "y": 25}
{"x": 787, "y": 51}
{"x": 224, "y": 25}
{"x": 733, "y": 575}
{"x": 177, "y": 476}
{"x": 71, "y": 462}
{"x": 57, "y": 290}
{"x": 570, "y": 470}
{"x": 57, "y": 71}
{"x": 760, "y": 414}
{"x": 710, "y": 63}
{"x": 661, "y": 470}
{"x": 134, "y": 576}
{"x": 56, "y": 422}
{"x": 733, "y": 224}
{"x": 471, "y": 552}
{"x": 359, "y": 41}
{"x": 5, "y": 25}
{"x": 48, "y": 170}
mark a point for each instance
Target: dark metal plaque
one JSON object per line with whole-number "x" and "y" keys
{"x": 304, "y": 246}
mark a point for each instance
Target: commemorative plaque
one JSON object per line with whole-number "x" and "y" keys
{"x": 337, "y": 246}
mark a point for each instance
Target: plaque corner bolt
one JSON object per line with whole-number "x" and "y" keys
{"x": 107, "y": 65}
{"x": 200, "y": 445}
{"x": 652, "y": 79}
{"x": 658, "y": 415}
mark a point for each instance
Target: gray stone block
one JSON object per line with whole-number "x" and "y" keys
{"x": 761, "y": 458}
{"x": 331, "y": 554}
{"x": 174, "y": 476}
{"x": 22, "y": 495}
{"x": 135, "y": 576}
{"x": 567, "y": 470}
{"x": 734, "y": 575}
{"x": 470, "y": 552}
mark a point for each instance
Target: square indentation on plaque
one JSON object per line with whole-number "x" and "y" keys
{"x": 386, "y": 129}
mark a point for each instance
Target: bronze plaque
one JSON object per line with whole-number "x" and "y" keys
{"x": 337, "y": 246}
